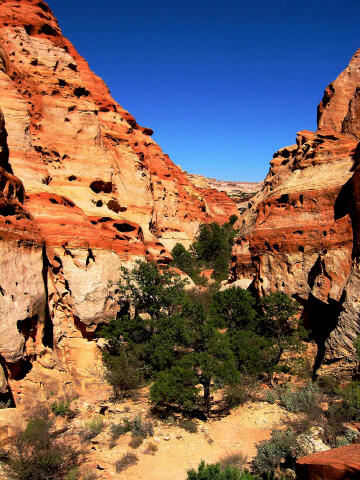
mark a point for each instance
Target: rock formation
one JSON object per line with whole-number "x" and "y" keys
{"x": 301, "y": 236}
{"x": 84, "y": 189}
{"x": 336, "y": 464}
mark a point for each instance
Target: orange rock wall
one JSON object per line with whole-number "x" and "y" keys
{"x": 83, "y": 190}
{"x": 302, "y": 234}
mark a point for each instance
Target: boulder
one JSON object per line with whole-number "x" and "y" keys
{"x": 336, "y": 464}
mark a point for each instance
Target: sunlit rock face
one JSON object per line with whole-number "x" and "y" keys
{"x": 301, "y": 236}
{"x": 83, "y": 190}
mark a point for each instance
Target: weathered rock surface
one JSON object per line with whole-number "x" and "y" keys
{"x": 301, "y": 235}
{"x": 336, "y": 464}
{"x": 83, "y": 190}
{"x": 240, "y": 192}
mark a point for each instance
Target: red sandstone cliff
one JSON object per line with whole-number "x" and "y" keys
{"x": 302, "y": 234}
{"x": 84, "y": 189}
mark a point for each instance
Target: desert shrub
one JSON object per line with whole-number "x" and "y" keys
{"x": 119, "y": 429}
{"x": 216, "y": 472}
{"x": 300, "y": 399}
{"x": 37, "y": 454}
{"x": 270, "y": 397}
{"x": 189, "y": 425}
{"x": 138, "y": 427}
{"x": 236, "y": 460}
{"x": 62, "y": 409}
{"x": 89, "y": 474}
{"x": 281, "y": 448}
{"x": 136, "y": 441}
{"x": 142, "y": 428}
{"x": 73, "y": 474}
{"x": 92, "y": 428}
{"x": 346, "y": 438}
{"x": 126, "y": 461}
{"x": 234, "y": 396}
{"x": 301, "y": 367}
{"x": 329, "y": 385}
{"x": 151, "y": 448}
{"x": 351, "y": 401}
{"x": 122, "y": 372}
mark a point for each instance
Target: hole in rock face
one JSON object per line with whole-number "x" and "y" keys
{"x": 48, "y": 30}
{"x": 343, "y": 201}
{"x": 29, "y": 29}
{"x": 99, "y": 186}
{"x": 283, "y": 199}
{"x": 73, "y": 67}
{"x": 43, "y": 7}
{"x": 124, "y": 227}
{"x": 62, "y": 83}
{"x": 301, "y": 249}
{"x": 20, "y": 369}
{"x": 99, "y": 203}
{"x": 81, "y": 92}
{"x": 71, "y": 178}
{"x": 115, "y": 207}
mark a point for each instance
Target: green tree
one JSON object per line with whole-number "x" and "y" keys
{"x": 212, "y": 247}
{"x": 176, "y": 386}
{"x": 184, "y": 260}
{"x": 278, "y": 322}
{"x": 234, "y": 308}
{"x": 254, "y": 353}
{"x": 205, "y": 358}
{"x": 152, "y": 290}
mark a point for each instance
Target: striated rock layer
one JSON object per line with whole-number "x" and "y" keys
{"x": 83, "y": 190}
{"x": 301, "y": 235}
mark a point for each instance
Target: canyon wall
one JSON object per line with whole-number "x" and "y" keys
{"x": 84, "y": 190}
{"x": 301, "y": 235}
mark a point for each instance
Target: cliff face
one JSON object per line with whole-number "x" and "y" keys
{"x": 84, "y": 189}
{"x": 302, "y": 234}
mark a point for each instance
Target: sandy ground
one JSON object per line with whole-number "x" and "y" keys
{"x": 179, "y": 450}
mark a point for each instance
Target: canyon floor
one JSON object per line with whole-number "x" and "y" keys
{"x": 178, "y": 450}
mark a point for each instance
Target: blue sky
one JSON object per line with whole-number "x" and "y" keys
{"x": 223, "y": 83}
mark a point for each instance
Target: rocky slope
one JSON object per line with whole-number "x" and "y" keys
{"x": 84, "y": 189}
{"x": 301, "y": 235}
{"x": 240, "y": 192}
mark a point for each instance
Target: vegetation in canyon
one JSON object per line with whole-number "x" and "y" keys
{"x": 210, "y": 250}
{"x": 199, "y": 358}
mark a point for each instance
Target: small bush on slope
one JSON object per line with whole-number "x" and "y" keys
{"x": 300, "y": 399}
{"x": 215, "y": 472}
{"x": 281, "y": 447}
{"x": 37, "y": 454}
{"x": 126, "y": 461}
